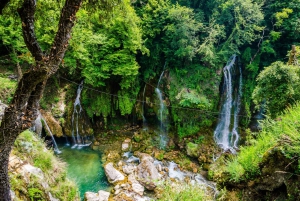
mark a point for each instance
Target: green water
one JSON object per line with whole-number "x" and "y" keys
{"x": 85, "y": 168}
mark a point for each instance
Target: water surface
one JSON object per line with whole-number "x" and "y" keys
{"x": 85, "y": 168}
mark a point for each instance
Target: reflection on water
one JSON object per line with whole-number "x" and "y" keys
{"x": 85, "y": 168}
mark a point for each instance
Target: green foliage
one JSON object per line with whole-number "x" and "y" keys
{"x": 7, "y": 88}
{"x": 280, "y": 135}
{"x": 35, "y": 194}
{"x": 184, "y": 192}
{"x": 277, "y": 87}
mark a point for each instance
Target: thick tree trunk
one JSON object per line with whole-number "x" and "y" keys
{"x": 21, "y": 113}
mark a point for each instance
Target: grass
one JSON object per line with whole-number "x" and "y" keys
{"x": 7, "y": 88}
{"x": 282, "y": 134}
{"x": 184, "y": 192}
{"x": 31, "y": 149}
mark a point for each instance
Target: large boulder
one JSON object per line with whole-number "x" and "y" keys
{"x": 147, "y": 174}
{"x": 100, "y": 196}
{"x": 112, "y": 174}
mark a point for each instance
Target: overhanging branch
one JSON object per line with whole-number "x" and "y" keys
{"x": 26, "y": 13}
{"x": 63, "y": 35}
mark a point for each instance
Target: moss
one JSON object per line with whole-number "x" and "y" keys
{"x": 7, "y": 88}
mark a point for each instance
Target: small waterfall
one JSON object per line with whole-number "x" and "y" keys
{"x": 77, "y": 139}
{"x": 225, "y": 138}
{"x": 162, "y": 135}
{"x": 56, "y": 150}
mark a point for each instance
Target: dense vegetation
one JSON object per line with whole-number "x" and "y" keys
{"x": 190, "y": 40}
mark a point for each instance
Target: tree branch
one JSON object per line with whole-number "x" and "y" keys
{"x": 63, "y": 35}
{"x": 26, "y": 13}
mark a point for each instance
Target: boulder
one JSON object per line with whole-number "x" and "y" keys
{"x": 192, "y": 149}
{"x": 112, "y": 174}
{"x": 147, "y": 174}
{"x": 126, "y": 144}
{"x": 138, "y": 188}
{"x": 100, "y": 196}
{"x": 128, "y": 169}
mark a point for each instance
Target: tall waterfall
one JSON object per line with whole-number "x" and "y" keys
{"x": 163, "y": 134}
{"x": 226, "y": 135}
{"x": 56, "y": 150}
{"x": 76, "y": 114}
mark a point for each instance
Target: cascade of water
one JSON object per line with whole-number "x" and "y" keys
{"x": 225, "y": 138}
{"x": 77, "y": 111}
{"x": 56, "y": 150}
{"x": 235, "y": 135}
{"x": 163, "y": 136}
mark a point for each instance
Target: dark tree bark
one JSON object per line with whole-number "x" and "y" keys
{"x": 21, "y": 113}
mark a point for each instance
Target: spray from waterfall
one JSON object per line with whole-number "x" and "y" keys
{"x": 225, "y": 136}
{"x": 56, "y": 150}
{"x": 162, "y": 111}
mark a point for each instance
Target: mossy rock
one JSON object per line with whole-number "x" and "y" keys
{"x": 192, "y": 149}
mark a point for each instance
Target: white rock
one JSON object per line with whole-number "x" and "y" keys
{"x": 132, "y": 179}
{"x": 128, "y": 169}
{"x": 51, "y": 198}
{"x": 100, "y": 196}
{"x": 112, "y": 174}
{"x": 138, "y": 188}
{"x": 126, "y": 144}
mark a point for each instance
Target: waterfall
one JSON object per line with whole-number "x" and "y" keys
{"x": 56, "y": 150}
{"x": 226, "y": 137}
{"x": 78, "y": 140}
{"x": 162, "y": 135}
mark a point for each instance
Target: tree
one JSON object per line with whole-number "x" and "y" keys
{"x": 277, "y": 87}
{"x": 22, "y": 111}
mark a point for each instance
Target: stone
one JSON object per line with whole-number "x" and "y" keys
{"x": 192, "y": 149}
{"x": 51, "y": 198}
{"x": 147, "y": 174}
{"x": 100, "y": 196}
{"x": 126, "y": 144}
{"x": 144, "y": 156}
{"x": 138, "y": 188}
{"x": 128, "y": 169}
{"x": 112, "y": 174}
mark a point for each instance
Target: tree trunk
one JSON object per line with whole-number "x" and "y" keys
{"x": 22, "y": 112}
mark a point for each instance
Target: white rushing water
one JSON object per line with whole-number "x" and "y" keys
{"x": 225, "y": 136}
{"x": 56, "y": 149}
{"x": 79, "y": 141}
{"x": 162, "y": 135}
